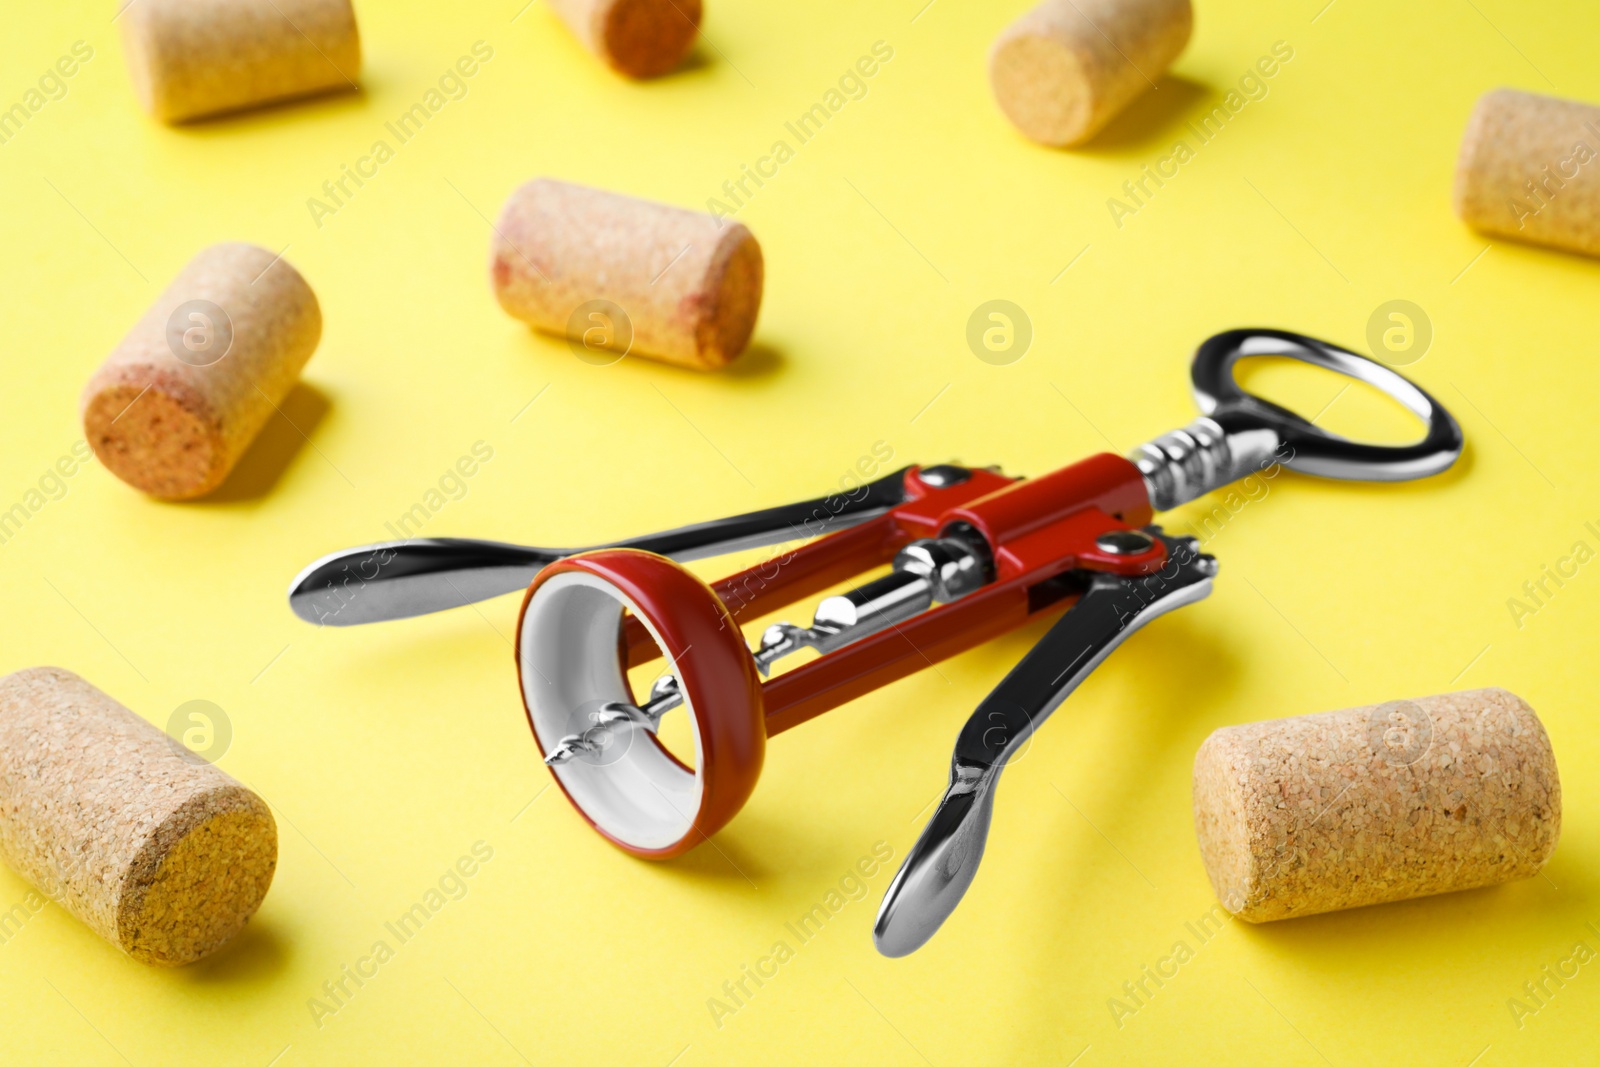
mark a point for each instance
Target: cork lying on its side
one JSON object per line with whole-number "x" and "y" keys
{"x": 155, "y": 850}
{"x": 639, "y": 38}
{"x": 618, "y": 273}
{"x": 182, "y": 396}
{"x": 1530, "y": 169}
{"x": 1066, "y": 68}
{"x": 191, "y": 58}
{"x": 1346, "y": 808}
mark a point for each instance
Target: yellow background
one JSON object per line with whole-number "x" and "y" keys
{"x": 389, "y": 750}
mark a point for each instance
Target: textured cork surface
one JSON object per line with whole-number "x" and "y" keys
{"x": 192, "y": 58}
{"x": 690, "y": 288}
{"x": 1067, "y": 67}
{"x": 152, "y": 848}
{"x": 1529, "y": 169}
{"x": 1372, "y": 804}
{"x": 639, "y": 38}
{"x": 245, "y": 323}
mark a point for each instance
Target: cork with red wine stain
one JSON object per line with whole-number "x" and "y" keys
{"x": 183, "y": 395}
{"x": 638, "y": 38}
{"x": 618, "y": 274}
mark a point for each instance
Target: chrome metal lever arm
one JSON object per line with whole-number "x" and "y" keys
{"x": 399, "y": 579}
{"x": 943, "y": 862}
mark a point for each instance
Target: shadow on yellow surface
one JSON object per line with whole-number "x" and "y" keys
{"x": 287, "y": 432}
{"x": 760, "y": 360}
{"x": 1151, "y": 121}
{"x": 259, "y": 954}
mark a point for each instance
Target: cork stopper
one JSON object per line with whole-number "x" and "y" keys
{"x": 1067, "y": 67}
{"x": 1373, "y": 804}
{"x": 182, "y": 396}
{"x": 616, "y": 274}
{"x": 192, "y": 58}
{"x": 1529, "y": 169}
{"x": 152, "y": 848}
{"x": 638, "y": 38}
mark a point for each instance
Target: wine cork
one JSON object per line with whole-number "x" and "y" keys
{"x": 191, "y": 58}
{"x": 182, "y": 396}
{"x": 639, "y": 38}
{"x": 618, "y": 274}
{"x": 151, "y": 847}
{"x": 1066, "y": 68}
{"x": 1530, "y": 169}
{"x": 1372, "y": 804}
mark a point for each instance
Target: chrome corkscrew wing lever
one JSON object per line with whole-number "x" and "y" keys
{"x": 943, "y": 862}
{"x": 399, "y": 579}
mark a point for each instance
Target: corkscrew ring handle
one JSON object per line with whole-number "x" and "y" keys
{"x": 1241, "y": 433}
{"x": 1316, "y": 451}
